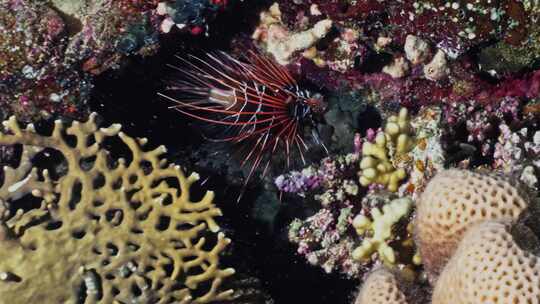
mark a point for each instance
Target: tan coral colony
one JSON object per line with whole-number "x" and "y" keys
{"x": 106, "y": 230}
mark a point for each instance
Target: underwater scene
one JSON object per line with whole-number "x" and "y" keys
{"x": 269, "y": 151}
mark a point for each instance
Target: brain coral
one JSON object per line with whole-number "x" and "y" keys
{"x": 100, "y": 230}
{"x": 490, "y": 267}
{"x": 381, "y": 287}
{"x": 452, "y": 202}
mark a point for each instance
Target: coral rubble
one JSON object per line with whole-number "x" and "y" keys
{"x": 104, "y": 229}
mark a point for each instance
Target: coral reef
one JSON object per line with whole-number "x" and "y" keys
{"x": 428, "y": 155}
{"x": 50, "y": 50}
{"x": 337, "y": 240}
{"x": 431, "y": 140}
{"x": 382, "y": 286}
{"x": 325, "y": 238}
{"x": 455, "y": 200}
{"x": 398, "y": 68}
{"x": 189, "y": 15}
{"x": 380, "y": 229}
{"x": 437, "y": 69}
{"x": 333, "y": 175}
{"x": 325, "y": 241}
{"x": 416, "y": 49}
{"x": 280, "y": 42}
{"x": 34, "y": 79}
{"x": 103, "y": 229}
{"x": 378, "y": 158}
{"x": 496, "y": 262}
{"x": 518, "y": 154}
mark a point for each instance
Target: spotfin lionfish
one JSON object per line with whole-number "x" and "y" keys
{"x": 258, "y": 102}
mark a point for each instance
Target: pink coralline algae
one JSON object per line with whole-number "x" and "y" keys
{"x": 325, "y": 239}
{"x": 332, "y": 179}
{"x": 453, "y": 26}
{"x": 34, "y": 80}
{"x": 49, "y": 51}
{"x": 418, "y": 53}
{"x": 518, "y": 153}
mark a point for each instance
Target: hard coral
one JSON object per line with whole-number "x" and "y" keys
{"x": 328, "y": 182}
{"x": 380, "y": 229}
{"x": 428, "y": 156}
{"x": 416, "y": 50}
{"x": 453, "y": 201}
{"x": 324, "y": 240}
{"x": 377, "y": 158}
{"x": 382, "y": 286}
{"x": 491, "y": 265}
{"x": 280, "y": 42}
{"x": 105, "y": 231}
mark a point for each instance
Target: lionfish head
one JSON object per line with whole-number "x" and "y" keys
{"x": 317, "y": 104}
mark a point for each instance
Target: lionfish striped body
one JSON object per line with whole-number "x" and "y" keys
{"x": 258, "y": 102}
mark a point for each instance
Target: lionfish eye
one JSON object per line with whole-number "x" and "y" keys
{"x": 316, "y": 103}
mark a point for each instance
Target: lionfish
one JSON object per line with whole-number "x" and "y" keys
{"x": 258, "y": 103}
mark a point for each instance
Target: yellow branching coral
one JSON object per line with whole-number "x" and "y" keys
{"x": 378, "y": 230}
{"x": 377, "y": 158}
{"x": 106, "y": 231}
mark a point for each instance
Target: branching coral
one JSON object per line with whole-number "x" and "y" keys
{"x": 378, "y": 157}
{"x": 121, "y": 231}
{"x": 325, "y": 238}
{"x": 380, "y": 229}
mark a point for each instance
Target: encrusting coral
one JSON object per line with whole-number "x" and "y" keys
{"x": 106, "y": 231}
{"x": 428, "y": 156}
{"x": 377, "y": 158}
{"x": 491, "y": 266}
{"x": 438, "y": 67}
{"x": 453, "y": 201}
{"x": 381, "y": 287}
{"x": 282, "y": 44}
{"x": 416, "y": 50}
{"x": 380, "y": 229}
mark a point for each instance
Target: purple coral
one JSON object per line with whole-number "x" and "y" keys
{"x": 329, "y": 173}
